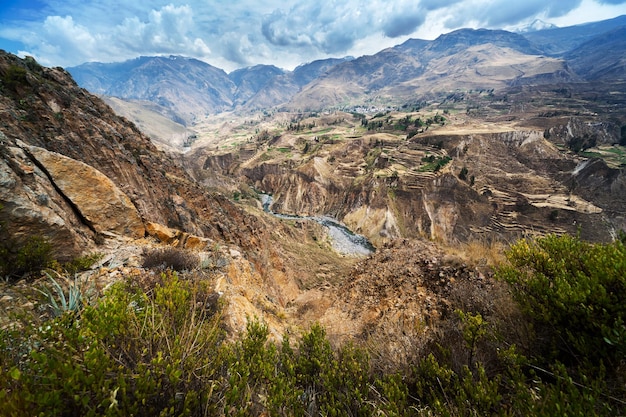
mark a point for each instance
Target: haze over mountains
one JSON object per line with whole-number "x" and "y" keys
{"x": 186, "y": 89}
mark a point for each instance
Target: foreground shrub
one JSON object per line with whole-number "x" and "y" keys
{"x": 575, "y": 294}
{"x": 131, "y": 354}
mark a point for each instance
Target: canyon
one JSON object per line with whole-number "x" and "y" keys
{"x": 428, "y": 149}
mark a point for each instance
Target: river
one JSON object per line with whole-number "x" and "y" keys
{"x": 343, "y": 240}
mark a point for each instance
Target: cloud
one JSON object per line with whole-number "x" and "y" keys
{"x": 168, "y": 30}
{"x": 402, "y": 18}
{"x": 247, "y": 32}
{"x": 335, "y": 27}
{"x": 501, "y": 13}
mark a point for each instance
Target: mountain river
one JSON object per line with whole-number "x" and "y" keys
{"x": 342, "y": 239}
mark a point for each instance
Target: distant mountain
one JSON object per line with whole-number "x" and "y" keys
{"x": 459, "y": 40}
{"x": 466, "y": 59}
{"x": 536, "y": 25}
{"x": 601, "y": 58}
{"x": 282, "y": 88}
{"x": 463, "y": 59}
{"x": 185, "y": 89}
{"x": 252, "y": 79}
{"x": 556, "y": 42}
{"x": 264, "y": 86}
{"x": 189, "y": 87}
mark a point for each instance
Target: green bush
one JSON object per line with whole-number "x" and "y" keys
{"x": 134, "y": 353}
{"x": 14, "y": 76}
{"x": 82, "y": 263}
{"x": 32, "y": 256}
{"x": 575, "y": 294}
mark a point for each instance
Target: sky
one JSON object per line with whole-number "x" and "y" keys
{"x": 239, "y": 33}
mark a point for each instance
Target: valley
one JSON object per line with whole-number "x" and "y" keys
{"x": 445, "y": 157}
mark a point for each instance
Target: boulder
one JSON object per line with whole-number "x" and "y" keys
{"x": 102, "y": 205}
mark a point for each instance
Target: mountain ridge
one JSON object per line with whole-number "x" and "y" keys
{"x": 193, "y": 89}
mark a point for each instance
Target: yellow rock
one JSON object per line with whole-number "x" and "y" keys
{"x": 103, "y": 206}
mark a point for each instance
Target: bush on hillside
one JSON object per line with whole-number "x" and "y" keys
{"x": 575, "y": 294}
{"x": 171, "y": 258}
{"x": 17, "y": 260}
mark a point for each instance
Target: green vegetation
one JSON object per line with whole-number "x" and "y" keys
{"x": 434, "y": 163}
{"x": 614, "y": 156}
{"x": 14, "y": 76}
{"x": 574, "y": 292}
{"x": 154, "y": 345}
{"x": 19, "y": 259}
{"x": 59, "y": 302}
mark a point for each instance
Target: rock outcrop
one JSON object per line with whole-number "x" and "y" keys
{"x": 30, "y": 206}
{"x": 102, "y": 205}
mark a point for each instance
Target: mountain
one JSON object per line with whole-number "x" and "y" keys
{"x": 190, "y": 88}
{"x": 536, "y": 25}
{"x": 187, "y": 90}
{"x": 463, "y": 59}
{"x": 602, "y": 58}
{"x": 556, "y": 42}
{"x": 251, "y": 80}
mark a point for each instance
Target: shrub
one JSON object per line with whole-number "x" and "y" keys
{"x": 131, "y": 354}
{"x": 463, "y": 174}
{"x": 575, "y": 294}
{"x": 30, "y": 257}
{"x": 82, "y": 263}
{"x": 171, "y": 258}
{"x": 14, "y": 76}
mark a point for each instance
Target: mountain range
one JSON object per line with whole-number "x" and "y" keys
{"x": 186, "y": 90}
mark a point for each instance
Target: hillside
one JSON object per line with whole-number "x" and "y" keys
{"x": 86, "y": 180}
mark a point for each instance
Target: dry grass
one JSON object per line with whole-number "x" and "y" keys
{"x": 480, "y": 253}
{"x": 171, "y": 258}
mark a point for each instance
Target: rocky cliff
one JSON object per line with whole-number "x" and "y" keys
{"x": 74, "y": 171}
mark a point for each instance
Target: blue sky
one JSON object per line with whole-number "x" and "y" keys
{"x": 240, "y": 33}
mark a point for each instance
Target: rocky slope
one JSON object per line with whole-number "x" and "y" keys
{"x": 86, "y": 180}
{"x": 71, "y": 167}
